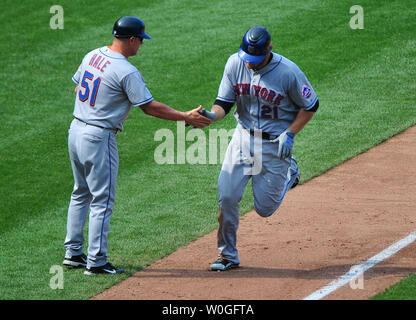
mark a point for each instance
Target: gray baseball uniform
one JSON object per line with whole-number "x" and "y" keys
{"x": 268, "y": 101}
{"x": 108, "y": 86}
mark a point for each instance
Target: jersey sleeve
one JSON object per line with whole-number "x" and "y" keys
{"x": 76, "y": 77}
{"x": 134, "y": 86}
{"x": 226, "y": 90}
{"x": 301, "y": 91}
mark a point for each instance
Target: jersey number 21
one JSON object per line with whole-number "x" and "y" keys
{"x": 268, "y": 112}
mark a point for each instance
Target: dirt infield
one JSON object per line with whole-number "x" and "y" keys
{"x": 322, "y": 229}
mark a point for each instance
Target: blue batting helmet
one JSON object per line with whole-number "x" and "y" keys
{"x": 128, "y": 26}
{"x": 255, "y": 45}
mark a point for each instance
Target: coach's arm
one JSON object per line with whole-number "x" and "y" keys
{"x": 160, "y": 110}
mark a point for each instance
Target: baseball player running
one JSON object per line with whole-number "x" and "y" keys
{"x": 274, "y": 102}
{"x": 107, "y": 87}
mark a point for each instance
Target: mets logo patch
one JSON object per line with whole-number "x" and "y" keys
{"x": 306, "y": 91}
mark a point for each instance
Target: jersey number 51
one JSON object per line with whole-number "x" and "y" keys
{"x": 84, "y": 96}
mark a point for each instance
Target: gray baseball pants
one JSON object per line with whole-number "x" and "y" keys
{"x": 250, "y": 157}
{"x": 94, "y": 160}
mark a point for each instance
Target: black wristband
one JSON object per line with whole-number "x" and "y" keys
{"x": 225, "y": 105}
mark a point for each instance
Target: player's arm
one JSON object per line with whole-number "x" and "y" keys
{"x": 221, "y": 108}
{"x": 302, "y": 94}
{"x": 286, "y": 139}
{"x": 219, "y": 112}
{"x": 303, "y": 117}
{"x": 226, "y": 96}
{"x": 160, "y": 110}
{"x": 301, "y": 120}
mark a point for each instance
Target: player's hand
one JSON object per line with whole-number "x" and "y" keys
{"x": 285, "y": 147}
{"x": 196, "y": 119}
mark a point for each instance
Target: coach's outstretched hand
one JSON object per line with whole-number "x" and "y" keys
{"x": 196, "y": 119}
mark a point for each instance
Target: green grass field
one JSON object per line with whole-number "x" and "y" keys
{"x": 364, "y": 80}
{"x": 405, "y": 289}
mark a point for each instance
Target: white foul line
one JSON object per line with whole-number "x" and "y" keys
{"x": 359, "y": 269}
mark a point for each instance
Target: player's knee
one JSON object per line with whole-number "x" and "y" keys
{"x": 264, "y": 211}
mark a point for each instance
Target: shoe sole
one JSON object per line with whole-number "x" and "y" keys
{"x": 223, "y": 268}
{"x": 74, "y": 264}
{"x": 91, "y": 273}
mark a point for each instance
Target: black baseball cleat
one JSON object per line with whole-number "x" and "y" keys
{"x": 223, "y": 264}
{"x": 108, "y": 268}
{"x": 79, "y": 261}
{"x": 296, "y": 182}
{"x": 294, "y": 171}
